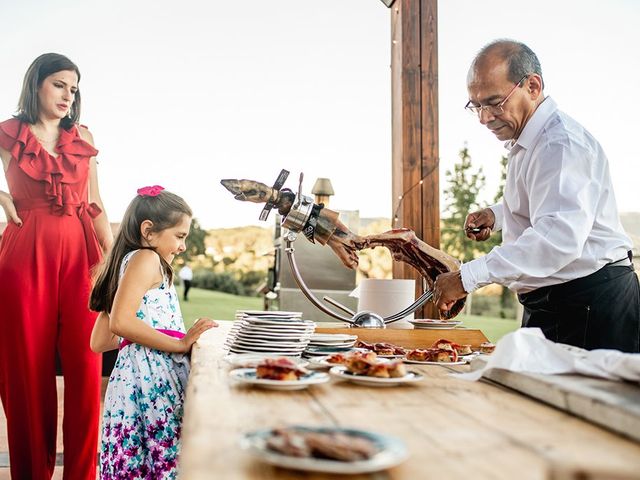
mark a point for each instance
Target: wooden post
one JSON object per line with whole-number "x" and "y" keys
{"x": 414, "y": 98}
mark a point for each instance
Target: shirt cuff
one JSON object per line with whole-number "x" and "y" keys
{"x": 474, "y": 274}
{"x": 497, "y": 210}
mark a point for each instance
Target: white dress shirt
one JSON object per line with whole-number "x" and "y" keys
{"x": 186, "y": 273}
{"x": 558, "y": 216}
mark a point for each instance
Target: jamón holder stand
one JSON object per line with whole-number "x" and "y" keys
{"x": 294, "y": 222}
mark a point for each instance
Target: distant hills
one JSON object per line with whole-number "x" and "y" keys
{"x": 630, "y": 222}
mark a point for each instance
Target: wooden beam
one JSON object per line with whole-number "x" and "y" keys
{"x": 414, "y": 98}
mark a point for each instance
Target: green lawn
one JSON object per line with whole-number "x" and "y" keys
{"x": 222, "y": 306}
{"x": 216, "y": 305}
{"x": 493, "y": 328}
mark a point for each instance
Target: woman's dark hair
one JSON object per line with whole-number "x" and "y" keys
{"x": 164, "y": 210}
{"x": 43, "y": 66}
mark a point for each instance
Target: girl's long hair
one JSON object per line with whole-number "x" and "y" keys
{"x": 43, "y": 66}
{"x": 164, "y": 210}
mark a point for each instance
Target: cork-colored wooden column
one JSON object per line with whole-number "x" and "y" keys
{"x": 414, "y": 86}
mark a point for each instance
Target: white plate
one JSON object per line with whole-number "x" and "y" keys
{"x": 392, "y": 452}
{"x": 340, "y": 371}
{"x": 280, "y": 323}
{"x": 430, "y": 324}
{"x": 273, "y": 331}
{"x": 268, "y": 313}
{"x": 248, "y": 376}
{"x": 444, "y": 364}
{"x": 321, "y": 351}
{"x": 267, "y": 343}
{"x": 333, "y": 337}
{"x": 266, "y": 350}
{"x": 331, "y": 345}
{"x": 251, "y": 360}
{"x": 270, "y": 336}
{"x": 322, "y": 361}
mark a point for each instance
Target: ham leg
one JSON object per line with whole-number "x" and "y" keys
{"x": 403, "y": 243}
{"x": 427, "y": 260}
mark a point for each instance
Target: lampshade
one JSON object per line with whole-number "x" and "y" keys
{"x": 322, "y": 187}
{"x": 388, "y": 3}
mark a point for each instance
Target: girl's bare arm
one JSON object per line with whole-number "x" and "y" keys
{"x": 142, "y": 274}
{"x": 102, "y": 339}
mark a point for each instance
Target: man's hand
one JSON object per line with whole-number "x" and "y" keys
{"x": 447, "y": 290}
{"x": 478, "y": 225}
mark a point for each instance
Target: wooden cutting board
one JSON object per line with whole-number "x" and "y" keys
{"x": 610, "y": 404}
{"x": 412, "y": 338}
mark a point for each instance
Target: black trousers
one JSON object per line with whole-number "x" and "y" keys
{"x": 601, "y": 310}
{"x": 187, "y": 286}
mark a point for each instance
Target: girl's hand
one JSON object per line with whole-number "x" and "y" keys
{"x": 193, "y": 334}
{"x": 9, "y": 208}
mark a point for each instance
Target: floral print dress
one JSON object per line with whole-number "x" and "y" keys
{"x": 143, "y": 405}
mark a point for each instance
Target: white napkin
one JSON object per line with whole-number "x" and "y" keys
{"x": 527, "y": 350}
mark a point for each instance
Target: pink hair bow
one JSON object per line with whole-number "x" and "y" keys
{"x": 152, "y": 191}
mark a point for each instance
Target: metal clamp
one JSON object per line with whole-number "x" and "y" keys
{"x": 362, "y": 319}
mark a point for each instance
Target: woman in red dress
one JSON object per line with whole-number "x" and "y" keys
{"x": 56, "y": 232}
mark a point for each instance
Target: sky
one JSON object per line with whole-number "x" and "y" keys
{"x": 183, "y": 94}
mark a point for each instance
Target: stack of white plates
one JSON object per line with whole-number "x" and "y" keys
{"x": 269, "y": 332}
{"x": 328, "y": 343}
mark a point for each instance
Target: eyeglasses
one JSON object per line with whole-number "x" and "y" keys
{"x": 493, "y": 109}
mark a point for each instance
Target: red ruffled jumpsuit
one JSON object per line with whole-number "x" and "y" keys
{"x": 44, "y": 289}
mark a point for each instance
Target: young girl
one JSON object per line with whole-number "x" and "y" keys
{"x": 140, "y": 314}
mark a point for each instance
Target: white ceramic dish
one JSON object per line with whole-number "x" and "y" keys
{"x": 433, "y": 324}
{"x": 268, "y": 351}
{"x": 251, "y": 360}
{"x": 333, "y": 337}
{"x": 280, "y": 323}
{"x": 391, "y": 452}
{"x": 322, "y": 351}
{"x": 321, "y": 362}
{"x": 268, "y": 313}
{"x": 442, "y": 364}
{"x": 269, "y": 343}
{"x": 270, "y": 336}
{"x": 248, "y": 376}
{"x": 340, "y": 371}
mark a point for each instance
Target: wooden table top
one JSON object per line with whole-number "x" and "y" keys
{"x": 452, "y": 428}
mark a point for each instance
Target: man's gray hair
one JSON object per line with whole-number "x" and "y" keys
{"x": 520, "y": 58}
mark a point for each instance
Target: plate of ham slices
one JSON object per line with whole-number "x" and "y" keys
{"x": 278, "y": 373}
{"x": 325, "y": 449}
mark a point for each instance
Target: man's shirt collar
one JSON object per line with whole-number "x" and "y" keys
{"x": 534, "y": 125}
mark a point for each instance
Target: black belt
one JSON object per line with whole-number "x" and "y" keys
{"x": 609, "y": 271}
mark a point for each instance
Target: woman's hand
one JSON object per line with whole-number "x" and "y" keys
{"x": 193, "y": 334}
{"x": 6, "y": 201}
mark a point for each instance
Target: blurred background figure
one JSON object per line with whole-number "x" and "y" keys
{"x": 186, "y": 275}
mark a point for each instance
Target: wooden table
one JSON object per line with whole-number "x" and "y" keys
{"x": 452, "y": 428}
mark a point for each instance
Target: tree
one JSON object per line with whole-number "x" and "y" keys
{"x": 195, "y": 241}
{"x": 461, "y": 198}
{"x": 465, "y": 184}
